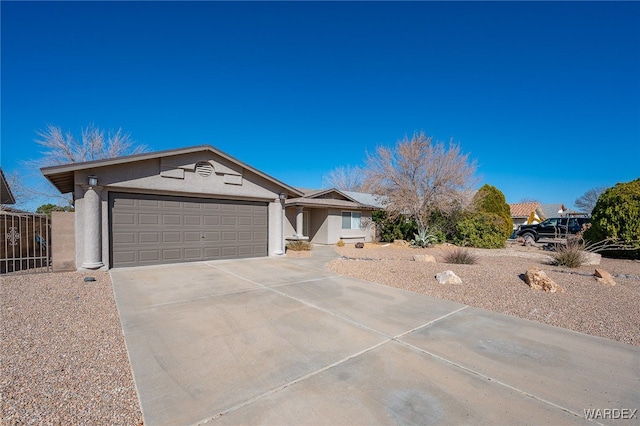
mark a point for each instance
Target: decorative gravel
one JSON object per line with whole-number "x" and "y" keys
{"x": 63, "y": 358}
{"x": 496, "y": 283}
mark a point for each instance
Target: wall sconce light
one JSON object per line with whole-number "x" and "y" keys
{"x": 282, "y": 196}
{"x": 93, "y": 180}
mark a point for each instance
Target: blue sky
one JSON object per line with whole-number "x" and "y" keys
{"x": 545, "y": 96}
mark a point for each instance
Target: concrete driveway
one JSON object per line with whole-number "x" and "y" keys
{"x": 283, "y": 341}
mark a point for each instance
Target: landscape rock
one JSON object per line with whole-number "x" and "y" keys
{"x": 539, "y": 280}
{"x": 424, "y": 258}
{"x": 448, "y": 277}
{"x": 359, "y": 245}
{"x": 603, "y": 277}
{"x": 591, "y": 258}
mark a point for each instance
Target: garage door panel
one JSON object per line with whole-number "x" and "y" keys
{"x": 212, "y": 252}
{"x": 149, "y": 255}
{"x": 153, "y": 229}
{"x": 193, "y": 254}
{"x": 148, "y": 219}
{"x": 211, "y": 220}
{"x": 148, "y": 237}
{"x": 169, "y": 255}
{"x": 192, "y": 237}
{"x": 171, "y": 219}
{"x": 192, "y": 220}
{"x": 172, "y": 237}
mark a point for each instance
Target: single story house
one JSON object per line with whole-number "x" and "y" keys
{"x": 526, "y": 213}
{"x": 327, "y": 216}
{"x": 192, "y": 204}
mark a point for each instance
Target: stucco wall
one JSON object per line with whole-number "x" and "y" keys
{"x": 174, "y": 176}
{"x": 63, "y": 242}
{"x": 335, "y": 231}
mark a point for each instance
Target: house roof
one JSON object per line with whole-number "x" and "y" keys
{"x": 523, "y": 209}
{"x": 553, "y": 210}
{"x": 366, "y": 198}
{"x": 6, "y": 196}
{"x": 349, "y": 200}
{"x": 62, "y": 176}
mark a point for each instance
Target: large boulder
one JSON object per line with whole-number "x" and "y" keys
{"x": 539, "y": 280}
{"x": 448, "y": 277}
{"x": 424, "y": 258}
{"x": 603, "y": 277}
{"x": 591, "y": 258}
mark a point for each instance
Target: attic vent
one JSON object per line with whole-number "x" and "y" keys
{"x": 204, "y": 168}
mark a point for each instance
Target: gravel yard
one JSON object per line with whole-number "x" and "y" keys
{"x": 495, "y": 283}
{"x": 63, "y": 358}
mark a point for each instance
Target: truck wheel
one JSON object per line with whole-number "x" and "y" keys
{"x": 529, "y": 239}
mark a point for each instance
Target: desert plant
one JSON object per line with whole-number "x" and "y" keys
{"x": 571, "y": 254}
{"x": 461, "y": 256}
{"x": 481, "y": 229}
{"x": 340, "y": 243}
{"x": 299, "y": 246}
{"x": 424, "y": 238}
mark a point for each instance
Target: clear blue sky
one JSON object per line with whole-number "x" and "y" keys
{"x": 545, "y": 96}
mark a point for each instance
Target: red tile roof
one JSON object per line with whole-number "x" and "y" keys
{"x": 523, "y": 209}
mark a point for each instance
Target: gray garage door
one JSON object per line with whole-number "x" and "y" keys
{"x": 155, "y": 229}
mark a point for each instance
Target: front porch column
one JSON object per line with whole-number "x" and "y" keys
{"x": 92, "y": 228}
{"x": 278, "y": 221}
{"x": 299, "y": 221}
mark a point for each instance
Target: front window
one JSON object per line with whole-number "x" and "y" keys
{"x": 351, "y": 220}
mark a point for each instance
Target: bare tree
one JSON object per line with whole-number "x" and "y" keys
{"x": 63, "y": 148}
{"x": 418, "y": 176}
{"x": 344, "y": 178}
{"x": 588, "y": 200}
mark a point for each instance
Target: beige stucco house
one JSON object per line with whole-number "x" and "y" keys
{"x": 327, "y": 216}
{"x": 193, "y": 204}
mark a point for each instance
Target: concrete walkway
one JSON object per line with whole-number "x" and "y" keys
{"x": 284, "y": 341}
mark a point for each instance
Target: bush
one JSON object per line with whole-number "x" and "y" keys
{"x": 299, "y": 246}
{"x": 461, "y": 256}
{"x": 570, "y": 255}
{"x": 340, "y": 243}
{"x": 397, "y": 229}
{"x": 617, "y": 215}
{"x": 490, "y": 199}
{"x": 481, "y": 229}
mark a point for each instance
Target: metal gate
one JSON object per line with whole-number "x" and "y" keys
{"x": 26, "y": 243}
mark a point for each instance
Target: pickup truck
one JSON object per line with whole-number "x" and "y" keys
{"x": 555, "y": 227}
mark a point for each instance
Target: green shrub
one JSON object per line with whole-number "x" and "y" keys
{"x": 299, "y": 246}
{"x": 461, "y": 256}
{"x": 394, "y": 229}
{"x": 481, "y": 229}
{"x": 617, "y": 215}
{"x": 490, "y": 199}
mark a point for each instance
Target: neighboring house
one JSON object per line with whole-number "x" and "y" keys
{"x": 193, "y": 204}
{"x": 534, "y": 212}
{"x": 327, "y": 216}
{"x": 6, "y": 196}
{"x": 526, "y": 213}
